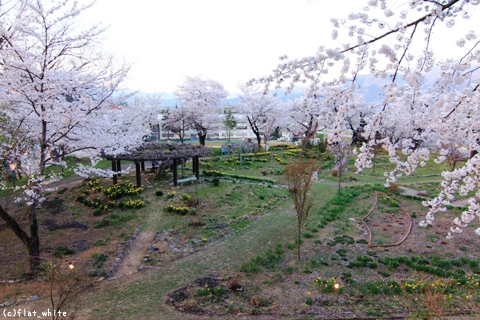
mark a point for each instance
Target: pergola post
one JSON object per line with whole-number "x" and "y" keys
{"x": 138, "y": 174}
{"x": 194, "y": 166}
{"x": 196, "y": 163}
{"x": 119, "y": 167}
{"x": 114, "y": 169}
{"x": 175, "y": 173}
{"x": 143, "y": 166}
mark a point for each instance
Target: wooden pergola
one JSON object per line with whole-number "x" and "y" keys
{"x": 165, "y": 153}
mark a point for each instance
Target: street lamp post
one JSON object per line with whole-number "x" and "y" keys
{"x": 13, "y": 166}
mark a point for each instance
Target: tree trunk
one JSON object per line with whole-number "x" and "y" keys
{"x": 298, "y": 247}
{"x": 259, "y": 140}
{"x": 304, "y": 144}
{"x": 34, "y": 245}
{"x": 201, "y": 139}
{"x": 339, "y": 180}
{"x": 32, "y": 242}
{"x": 255, "y": 131}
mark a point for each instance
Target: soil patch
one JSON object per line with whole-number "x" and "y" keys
{"x": 52, "y": 225}
{"x": 54, "y": 206}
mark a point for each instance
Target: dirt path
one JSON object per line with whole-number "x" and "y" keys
{"x": 413, "y": 192}
{"x": 410, "y": 192}
{"x": 135, "y": 253}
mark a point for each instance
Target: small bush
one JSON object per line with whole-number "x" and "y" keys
{"x": 234, "y": 284}
{"x": 260, "y": 301}
{"x": 99, "y": 259}
{"x": 62, "y": 191}
{"x": 159, "y": 193}
{"x": 374, "y": 287}
{"x": 250, "y": 267}
{"x": 62, "y": 251}
{"x": 393, "y": 187}
{"x": 326, "y": 285}
{"x": 309, "y": 301}
{"x": 279, "y": 249}
{"x": 134, "y": 204}
{"x": 97, "y": 212}
{"x": 383, "y": 274}
{"x": 203, "y": 292}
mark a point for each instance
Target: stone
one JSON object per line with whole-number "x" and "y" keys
{"x": 32, "y": 298}
{"x": 9, "y": 303}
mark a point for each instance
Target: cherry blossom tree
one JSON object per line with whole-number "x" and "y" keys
{"x": 341, "y": 153}
{"x": 260, "y": 110}
{"x": 432, "y": 89}
{"x": 318, "y": 109}
{"x": 202, "y": 100}
{"x": 176, "y": 120}
{"x": 58, "y": 91}
{"x": 275, "y": 120}
{"x": 303, "y": 118}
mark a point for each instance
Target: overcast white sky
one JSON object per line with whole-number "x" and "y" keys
{"x": 230, "y": 41}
